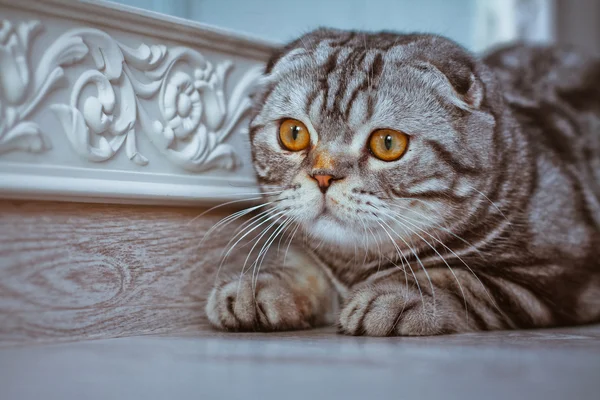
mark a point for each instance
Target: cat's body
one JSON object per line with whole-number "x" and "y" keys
{"x": 489, "y": 220}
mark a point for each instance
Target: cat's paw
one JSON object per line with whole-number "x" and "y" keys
{"x": 272, "y": 304}
{"x": 388, "y": 310}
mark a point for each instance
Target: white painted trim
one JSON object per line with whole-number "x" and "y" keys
{"x": 148, "y": 23}
{"x": 117, "y": 188}
{"x": 115, "y": 104}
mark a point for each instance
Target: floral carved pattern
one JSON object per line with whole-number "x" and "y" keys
{"x": 175, "y": 96}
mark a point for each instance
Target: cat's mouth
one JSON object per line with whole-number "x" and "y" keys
{"x": 331, "y": 209}
{"x": 328, "y": 214}
{"x": 330, "y": 227}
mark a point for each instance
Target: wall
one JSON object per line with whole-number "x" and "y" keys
{"x": 282, "y": 20}
{"x": 573, "y": 22}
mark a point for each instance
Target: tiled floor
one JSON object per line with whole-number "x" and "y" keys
{"x": 556, "y": 364}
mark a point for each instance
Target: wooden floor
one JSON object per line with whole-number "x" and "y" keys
{"x": 556, "y": 364}
{"x": 82, "y": 288}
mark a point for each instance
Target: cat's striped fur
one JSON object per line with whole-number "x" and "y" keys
{"x": 490, "y": 221}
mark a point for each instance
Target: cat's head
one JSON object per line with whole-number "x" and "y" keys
{"x": 359, "y": 134}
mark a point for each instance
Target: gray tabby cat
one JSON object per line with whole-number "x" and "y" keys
{"x": 437, "y": 193}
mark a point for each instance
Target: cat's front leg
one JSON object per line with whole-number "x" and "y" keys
{"x": 398, "y": 309}
{"x": 445, "y": 301}
{"x": 283, "y": 296}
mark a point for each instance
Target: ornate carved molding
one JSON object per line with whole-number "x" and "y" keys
{"x": 153, "y": 117}
{"x": 195, "y": 117}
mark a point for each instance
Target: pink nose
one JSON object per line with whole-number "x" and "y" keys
{"x": 324, "y": 181}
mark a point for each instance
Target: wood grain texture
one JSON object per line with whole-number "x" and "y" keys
{"x": 74, "y": 271}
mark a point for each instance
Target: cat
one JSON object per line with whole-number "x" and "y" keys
{"x": 436, "y": 192}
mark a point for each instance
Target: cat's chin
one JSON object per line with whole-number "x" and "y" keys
{"x": 332, "y": 230}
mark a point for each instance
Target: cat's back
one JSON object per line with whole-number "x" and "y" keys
{"x": 540, "y": 73}
{"x": 555, "y": 93}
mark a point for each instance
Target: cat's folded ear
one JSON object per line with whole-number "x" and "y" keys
{"x": 459, "y": 69}
{"x": 464, "y": 81}
{"x": 474, "y": 94}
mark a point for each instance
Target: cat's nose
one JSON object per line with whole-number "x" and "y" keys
{"x": 324, "y": 181}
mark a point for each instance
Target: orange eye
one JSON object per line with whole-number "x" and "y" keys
{"x": 387, "y": 144}
{"x": 294, "y": 135}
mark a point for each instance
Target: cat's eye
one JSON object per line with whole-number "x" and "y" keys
{"x": 388, "y": 144}
{"x": 293, "y": 135}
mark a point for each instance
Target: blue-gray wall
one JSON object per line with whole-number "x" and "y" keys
{"x": 282, "y": 20}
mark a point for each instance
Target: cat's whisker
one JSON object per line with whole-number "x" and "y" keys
{"x": 251, "y": 222}
{"x": 418, "y": 261}
{"x": 230, "y": 218}
{"x": 256, "y": 242}
{"x": 366, "y": 244}
{"x": 260, "y": 192}
{"x": 266, "y": 217}
{"x": 319, "y": 244}
{"x": 399, "y": 317}
{"x": 376, "y": 243}
{"x": 263, "y": 252}
{"x": 290, "y": 241}
{"x": 260, "y": 196}
{"x": 490, "y": 201}
{"x": 244, "y": 185}
{"x": 403, "y": 267}
{"x": 437, "y": 226}
{"x": 225, "y": 221}
{"x": 407, "y": 220}
{"x": 221, "y": 205}
{"x": 406, "y": 289}
{"x": 282, "y": 237}
{"x": 355, "y": 251}
{"x": 441, "y": 257}
{"x": 392, "y": 202}
{"x": 266, "y": 230}
{"x": 239, "y": 230}
{"x": 421, "y": 214}
{"x": 241, "y": 227}
{"x": 458, "y": 257}
{"x": 426, "y": 203}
